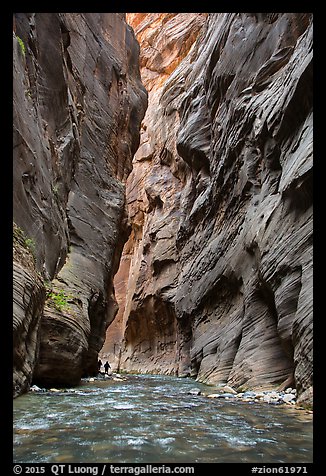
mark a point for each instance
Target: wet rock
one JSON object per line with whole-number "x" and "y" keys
{"x": 273, "y": 394}
{"x": 227, "y": 395}
{"x": 271, "y": 397}
{"x": 249, "y": 394}
{"x": 288, "y": 398}
{"x": 259, "y": 395}
{"x": 35, "y": 388}
{"x": 194, "y": 391}
{"x": 267, "y": 398}
{"x": 228, "y": 389}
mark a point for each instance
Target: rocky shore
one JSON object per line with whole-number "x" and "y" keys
{"x": 225, "y": 392}
{"x": 100, "y": 377}
{"x": 273, "y": 397}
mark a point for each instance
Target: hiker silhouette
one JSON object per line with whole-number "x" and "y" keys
{"x": 99, "y": 364}
{"x": 107, "y": 366}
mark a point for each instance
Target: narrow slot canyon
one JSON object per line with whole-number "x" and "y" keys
{"x": 203, "y": 202}
{"x": 163, "y": 215}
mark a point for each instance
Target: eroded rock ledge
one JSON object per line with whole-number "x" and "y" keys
{"x": 78, "y": 104}
{"x": 218, "y": 269}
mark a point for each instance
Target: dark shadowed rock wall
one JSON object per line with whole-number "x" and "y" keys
{"x": 219, "y": 262}
{"x": 78, "y": 104}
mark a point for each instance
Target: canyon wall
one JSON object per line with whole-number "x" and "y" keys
{"x": 78, "y": 104}
{"x": 165, "y": 38}
{"x": 217, "y": 272}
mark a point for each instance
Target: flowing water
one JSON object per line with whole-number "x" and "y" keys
{"x": 153, "y": 419}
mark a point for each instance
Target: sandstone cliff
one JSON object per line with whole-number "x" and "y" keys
{"x": 218, "y": 268}
{"x": 165, "y": 38}
{"x": 78, "y": 104}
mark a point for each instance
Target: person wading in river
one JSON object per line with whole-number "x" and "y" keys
{"x": 107, "y": 366}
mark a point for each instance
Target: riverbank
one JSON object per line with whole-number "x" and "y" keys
{"x": 287, "y": 397}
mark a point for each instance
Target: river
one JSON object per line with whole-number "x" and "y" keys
{"x": 153, "y": 419}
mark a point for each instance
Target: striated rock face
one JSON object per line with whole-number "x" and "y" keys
{"x": 29, "y": 296}
{"x": 220, "y": 200}
{"x": 165, "y": 38}
{"x": 78, "y": 104}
